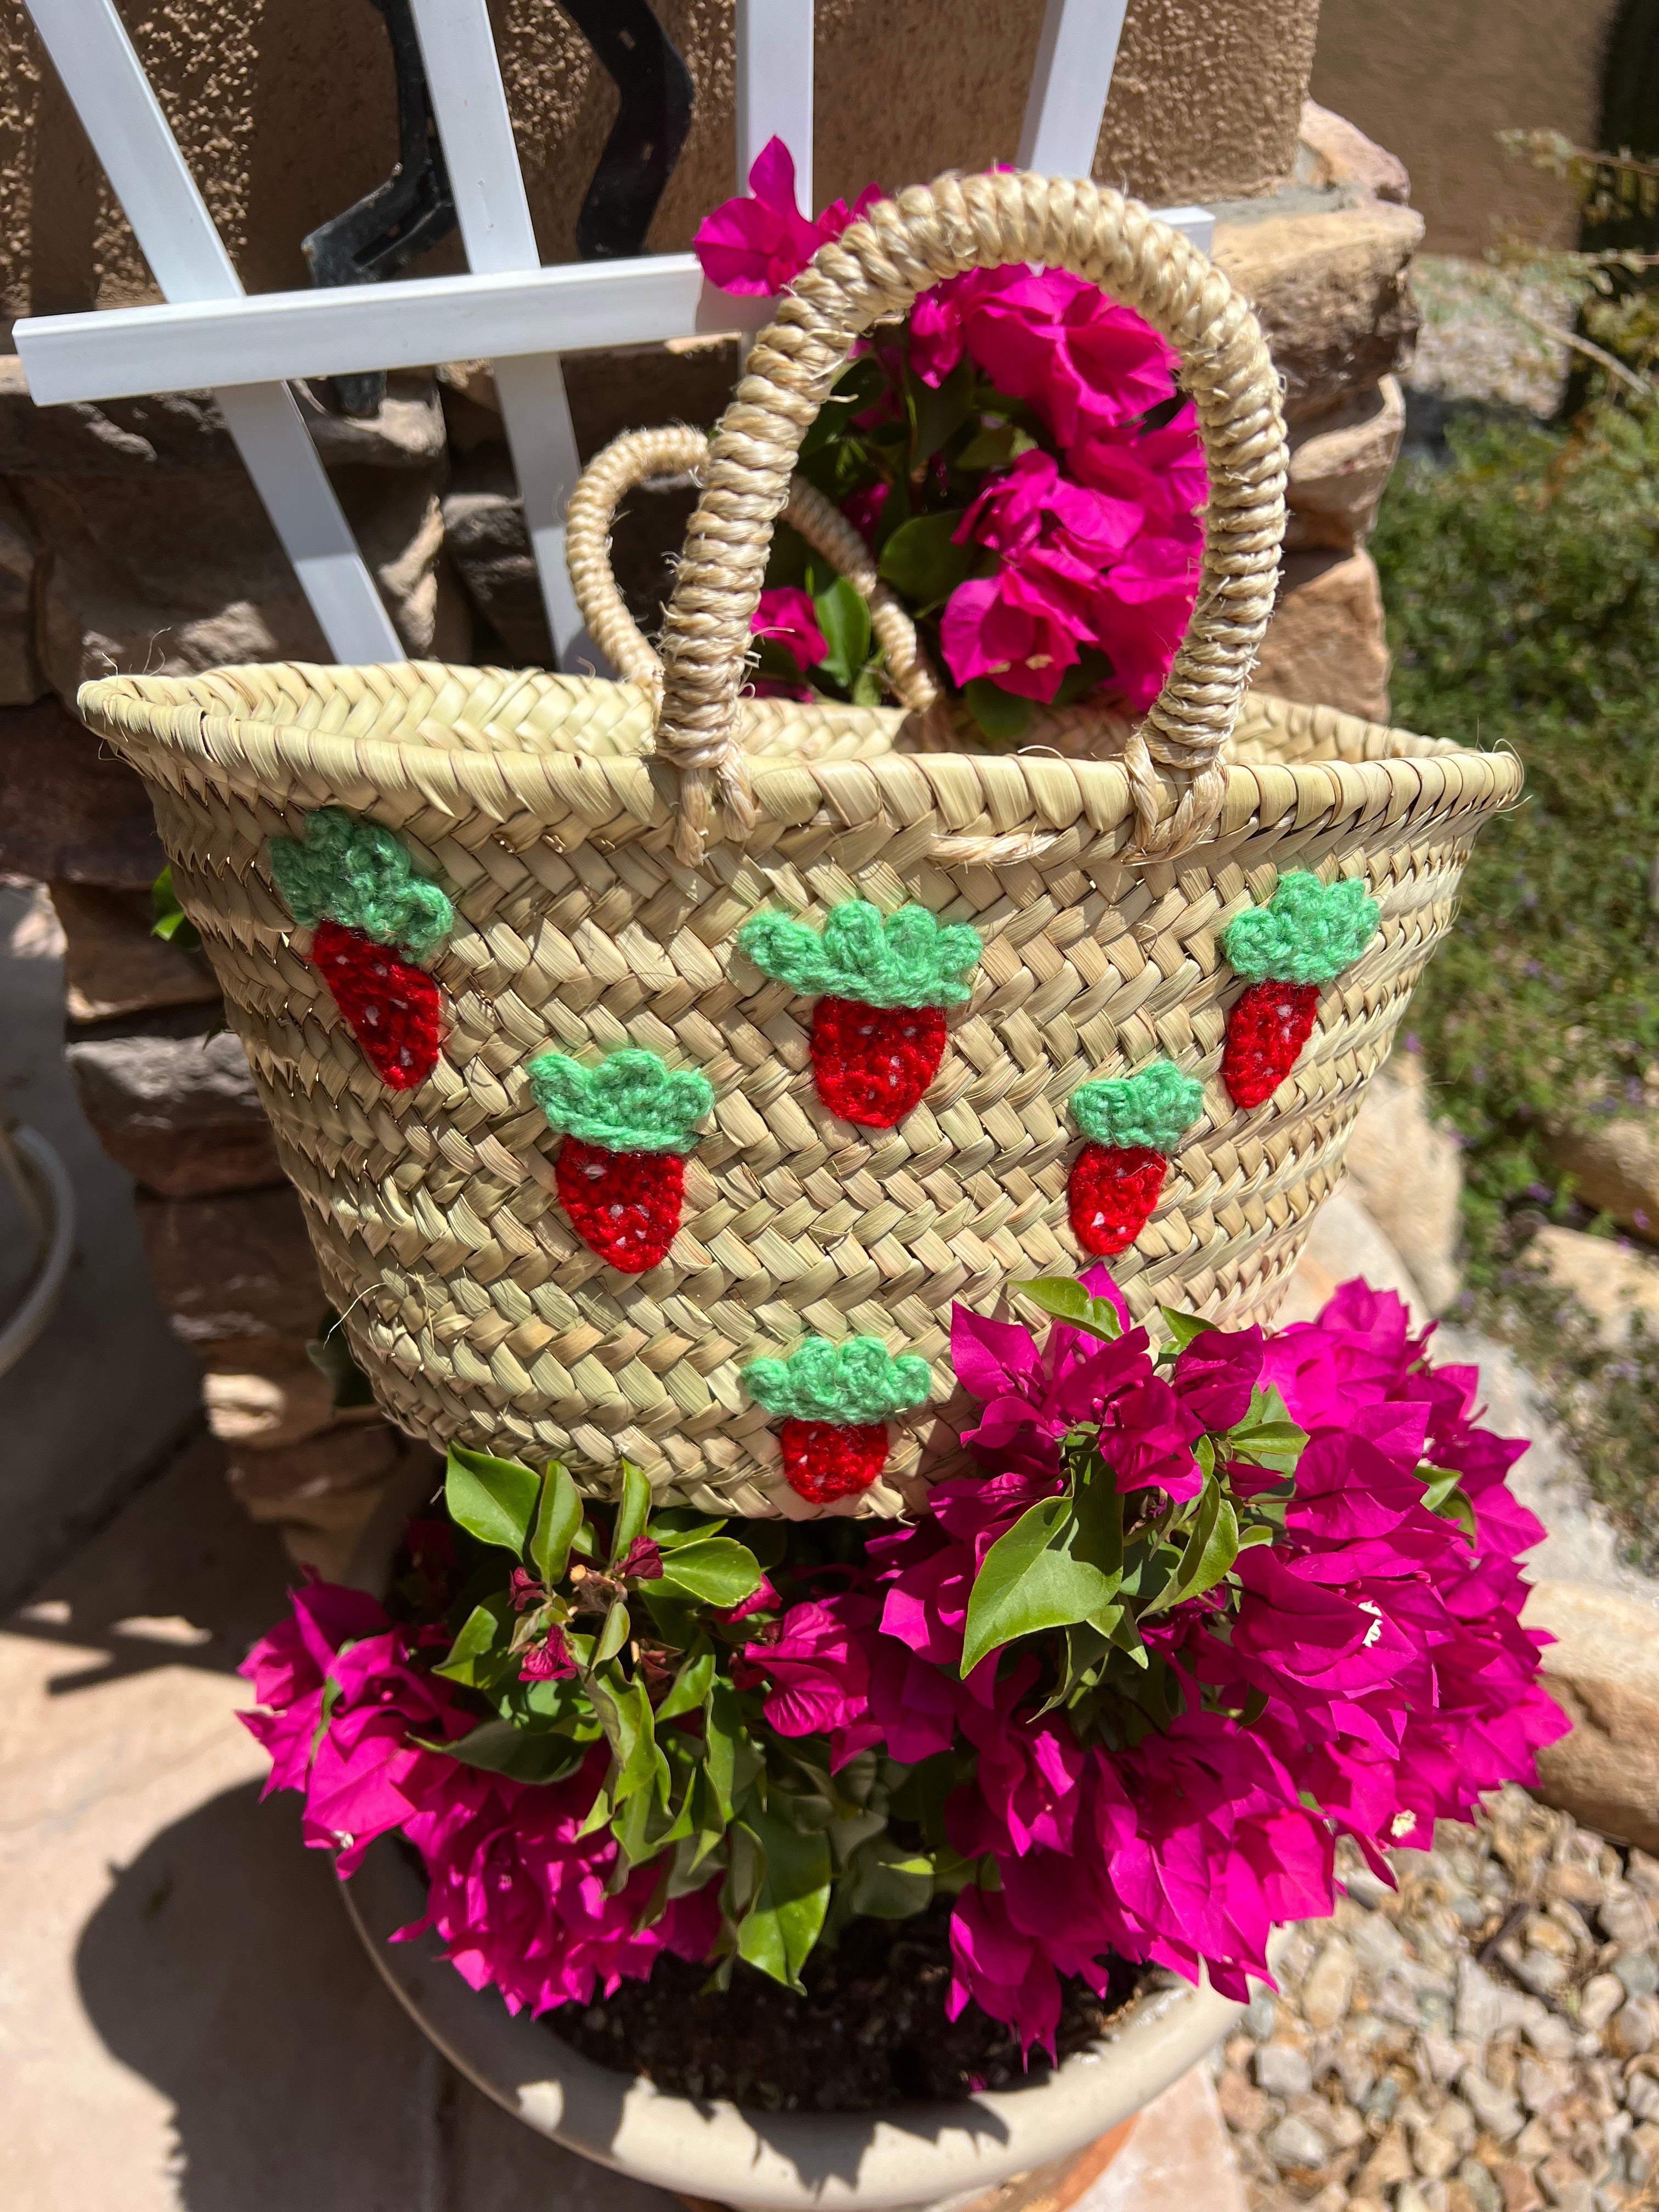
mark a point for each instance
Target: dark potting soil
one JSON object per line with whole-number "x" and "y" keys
{"x": 870, "y": 2032}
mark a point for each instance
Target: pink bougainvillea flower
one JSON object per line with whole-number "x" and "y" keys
{"x": 756, "y": 244}
{"x": 863, "y": 509}
{"x": 787, "y": 615}
{"x": 1082, "y": 362}
{"x": 1015, "y": 634}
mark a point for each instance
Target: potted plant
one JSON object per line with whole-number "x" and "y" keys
{"x": 679, "y": 1790}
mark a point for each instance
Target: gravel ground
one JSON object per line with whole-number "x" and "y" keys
{"x": 1471, "y": 347}
{"x": 1486, "y": 2038}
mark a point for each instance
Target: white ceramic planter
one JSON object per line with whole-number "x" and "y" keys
{"x": 934, "y": 2155}
{"x": 774, "y": 2162}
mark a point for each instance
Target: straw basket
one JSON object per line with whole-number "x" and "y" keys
{"x": 598, "y": 888}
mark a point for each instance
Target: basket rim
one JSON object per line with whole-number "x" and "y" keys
{"x": 961, "y": 796}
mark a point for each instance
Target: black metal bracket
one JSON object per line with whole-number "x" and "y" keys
{"x": 399, "y": 219}
{"x": 651, "y": 128}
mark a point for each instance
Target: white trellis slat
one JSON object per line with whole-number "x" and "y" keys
{"x": 1076, "y": 55}
{"x": 775, "y": 86}
{"x": 105, "y": 82}
{"x": 487, "y": 180}
{"x": 508, "y": 309}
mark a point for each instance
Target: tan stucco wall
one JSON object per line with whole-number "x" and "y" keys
{"x": 284, "y": 108}
{"x": 1434, "y": 80}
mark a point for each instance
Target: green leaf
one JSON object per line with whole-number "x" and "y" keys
{"x": 677, "y": 1617}
{"x": 556, "y": 1523}
{"x": 855, "y": 390}
{"x": 1268, "y": 1437}
{"x": 845, "y": 621}
{"x": 888, "y": 1881}
{"x": 992, "y": 446}
{"x": 1003, "y": 716}
{"x": 723, "y": 1733}
{"x": 719, "y": 1571}
{"x": 1029, "y": 1582}
{"x": 1444, "y": 1494}
{"x": 503, "y": 1747}
{"x": 1183, "y": 1327}
{"x": 690, "y": 1688}
{"x": 778, "y": 1931}
{"x": 493, "y": 1499}
{"x": 172, "y": 925}
{"x": 922, "y": 564}
{"x": 940, "y": 410}
{"x": 633, "y": 1512}
{"x": 1211, "y": 1550}
{"x": 475, "y": 1641}
{"x": 615, "y": 1633}
{"x": 625, "y": 1711}
{"x": 682, "y": 1524}
{"x": 1064, "y": 1299}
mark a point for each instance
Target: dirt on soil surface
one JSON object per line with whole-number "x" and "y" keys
{"x": 870, "y": 2032}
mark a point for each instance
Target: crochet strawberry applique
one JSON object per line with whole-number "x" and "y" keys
{"x": 1303, "y": 938}
{"x": 881, "y": 986}
{"x": 834, "y": 1399}
{"x": 628, "y": 1125}
{"x": 1133, "y": 1123}
{"x": 373, "y": 920}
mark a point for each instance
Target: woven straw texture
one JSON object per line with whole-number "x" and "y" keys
{"x": 599, "y": 888}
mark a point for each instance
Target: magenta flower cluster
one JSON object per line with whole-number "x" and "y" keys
{"x": 517, "y": 1893}
{"x": 1101, "y": 546}
{"x": 1097, "y": 542}
{"x": 1393, "y": 1679}
{"x": 1377, "y": 1650}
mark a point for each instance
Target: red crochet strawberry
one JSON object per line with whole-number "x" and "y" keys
{"x": 628, "y": 1125}
{"x": 1134, "y": 1123}
{"x": 372, "y": 918}
{"x": 392, "y": 1007}
{"x": 881, "y": 986}
{"x": 834, "y": 1398}
{"x": 1287, "y": 950}
{"x": 823, "y": 1460}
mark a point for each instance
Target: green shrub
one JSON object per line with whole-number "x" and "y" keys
{"x": 1522, "y": 579}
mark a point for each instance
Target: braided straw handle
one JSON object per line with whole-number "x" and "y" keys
{"x": 639, "y": 456}
{"x": 874, "y": 270}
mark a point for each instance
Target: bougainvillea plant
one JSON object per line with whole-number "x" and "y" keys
{"x": 373, "y": 920}
{"x": 1200, "y": 1608}
{"x": 1018, "y": 455}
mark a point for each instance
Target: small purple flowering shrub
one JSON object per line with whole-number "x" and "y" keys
{"x": 1018, "y": 455}
{"x": 1204, "y": 1607}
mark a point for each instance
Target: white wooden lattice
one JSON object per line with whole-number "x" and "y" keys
{"x": 509, "y": 308}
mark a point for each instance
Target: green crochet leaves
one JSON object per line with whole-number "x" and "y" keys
{"x": 1151, "y": 1108}
{"x": 357, "y": 873}
{"x": 857, "y": 1382}
{"x": 907, "y": 960}
{"x": 631, "y": 1103}
{"x": 1308, "y": 933}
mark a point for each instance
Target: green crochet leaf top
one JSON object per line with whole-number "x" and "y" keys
{"x": 1308, "y": 932}
{"x": 909, "y": 959}
{"x": 853, "y": 1383}
{"x": 1151, "y": 1108}
{"x": 357, "y": 873}
{"x": 632, "y": 1101}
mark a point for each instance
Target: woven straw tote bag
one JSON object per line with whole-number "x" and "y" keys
{"x": 599, "y": 846}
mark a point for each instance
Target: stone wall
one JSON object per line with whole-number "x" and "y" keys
{"x": 1435, "y": 80}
